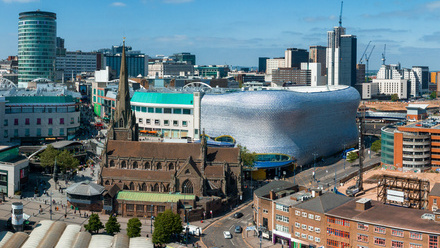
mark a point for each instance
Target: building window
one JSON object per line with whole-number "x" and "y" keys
{"x": 414, "y": 235}
{"x": 129, "y": 207}
{"x": 177, "y": 111}
{"x": 435, "y": 201}
{"x": 50, "y": 121}
{"x": 297, "y": 234}
{"x": 140, "y": 208}
{"x": 282, "y": 208}
{"x": 379, "y": 241}
{"x": 166, "y": 122}
{"x": 282, "y": 228}
{"x": 15, "y": 132}
{"x": 379, "y": 229}
{"x": 62, "y": 121}
{"x": 396, "y": 244}
{"x": 176, "y": 123}
{"x": 72, "y": 120}
{"x": 27, "y": 121}
{"x": 336, "y": 244}
{"x": 160, "y": 209}
{"x": 5, "y": 122}
{"x": 38, "y": 121}
{"x": 167, "y": 111}
{"x": 338, "y": 221}
{"x": 5, "y": 134}
{"x": 397, "y": 233}
{"x": 338, "y": 233}
{"x": 148, "y": 121}
{"x": 311, "y": 237}
{"x": 61, "y": 131}
{"x": 317, "y": 229}
{"x": 317, "y": 240}
{"x": 158, "y": 110}
{"x": 297, "y": 225}
{"x": 15, "y": 122}
{"x": 297, "y": 212}
{"x": 304, "y": 214}
{"x": 411, "y": 245}
{"x": 265, "y": 211}
{"x": 38, "y": 132}
{"x": 184, "y": 123}
{"x": 303, "y": 235}
{"x": 362, "y": 226}
{"x": 282, "y": 218}
{"x": 49, "y": 131}
{"x": 27, "y": 132}
{"x": 157, "y": 122}
{"x": 304, "y": 226}
{"x": 311, "y": 216}
{"x": 186, "y": 111}
{"x": 150, "y": 110}
{"x": 433, "y": 241}
{"x": 317, "y": 217}
{"x": 311, "y": 228}
{"x": 140, "y": 120}
{"x": 362, "y": 238}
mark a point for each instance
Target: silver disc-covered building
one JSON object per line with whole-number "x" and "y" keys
{"x": 296, "y": 121}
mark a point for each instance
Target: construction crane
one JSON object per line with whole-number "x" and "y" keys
{"x": 367, "y": 58}
{"x": 361, "y": 60}
{"x": 340, "y": 14}
{"x": 383, "y": 54}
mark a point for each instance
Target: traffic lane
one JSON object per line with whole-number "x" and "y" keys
{"x": 213, "y": 235}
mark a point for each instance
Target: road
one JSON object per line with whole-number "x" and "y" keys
{"x": 325, "y": 174}
{"x": 213, "y": 235}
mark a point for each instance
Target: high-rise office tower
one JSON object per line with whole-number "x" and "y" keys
{"x": 341, "y": 57}
{"x": 294, "y": 57}
{"x": 317, "y": 55}
{"x": 262, "y": 64}
{"x": 187, "y": 58}
{"x": 37, "y": 32}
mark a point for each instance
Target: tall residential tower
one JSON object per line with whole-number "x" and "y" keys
{"x": 37, "y": 32}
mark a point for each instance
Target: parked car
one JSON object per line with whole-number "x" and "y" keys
{"x": 237, "y": 229}
{"x": 227, "y": 235}
{"x": 238, "y": 215}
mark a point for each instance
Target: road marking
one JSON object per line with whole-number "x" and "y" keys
{"x": 232, "y": 242}
{"x": 231, "y": 227}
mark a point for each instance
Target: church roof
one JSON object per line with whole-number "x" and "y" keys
{"x": 143, "y": 175}
{"x": 136, "y": 149}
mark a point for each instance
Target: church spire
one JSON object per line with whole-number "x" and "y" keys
{"x": 123, "y": 108}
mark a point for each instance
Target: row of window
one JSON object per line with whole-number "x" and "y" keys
{"x": 338, "y": 233}
{"x": 282, "y": 208}
{"x": 161, "y": 110}
{"x": 27, "y": 132}
{"x": 305, "y": 215}
{"x": 309, "y": 237}
{"x": 282, "y": 228}
{"x": 310, "y": 228}
{"x": 336, "y": 244}
{"x": 338, "y": 221}
{"x": 282, "y": 218}
{"x": 165, "y": 122}
{"x": 141, "y": 208}
{"x": 28, "y": 122}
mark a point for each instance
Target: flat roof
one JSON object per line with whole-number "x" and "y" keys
{"x": 152, "y": 197}
{"x": 387, "y": 215}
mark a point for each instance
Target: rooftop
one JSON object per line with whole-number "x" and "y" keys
{"x": 85, "y": 188}
{"x": 152, "y": 197}
{"x": 387, "y": 215}
{"x": 435, "y": 191}
{"x": 163, "y": 98}
{"x": 324, "y": 203}
{"x": 276, "y": 186}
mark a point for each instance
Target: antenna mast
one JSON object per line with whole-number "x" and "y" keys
{"x": 340, "y": 14}
{"x": 383, "y": 54}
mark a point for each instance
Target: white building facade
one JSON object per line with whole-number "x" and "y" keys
{"x": 385, "y": 87}
{"x": 74, "y": 63}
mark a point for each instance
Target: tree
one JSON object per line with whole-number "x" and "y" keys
{"x": 352, "y": 156}
{"x": 134, "y": 228}
{"x": 376, "y": 146}
{"x": 112, "y": 226}
{"x": 394, "y": 97}
{"x": 94, "y": 224}
{"x": 64, "y": 158}
{"x": 166, "y": 225}
{"x": 433, "y": 95}
{"x": 248, "y": 158}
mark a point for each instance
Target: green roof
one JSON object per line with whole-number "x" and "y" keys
{"x": 152, "y": 197}
{"x": 163, "y": 98}
{"x": 39, "y": 99}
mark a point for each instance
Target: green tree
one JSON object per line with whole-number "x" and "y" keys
{"x": 433, "y": 95}
{"x": 352, "y": 156}
{"x": 112, "y": 226}
{"x": 94, "y": 224}
{"x": 376, "y": 146}
{"x": 134, "y": 228}
{"x": 394, "y": 97}
{"x": 64, "y": 158}
{"x": 248, "y": 158}
{"x": 66, "y": 161}
{"x": 47, "y": 158}
{"x": 166, "y": 225}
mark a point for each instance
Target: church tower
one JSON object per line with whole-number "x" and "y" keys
{"x": 123, "y": 123}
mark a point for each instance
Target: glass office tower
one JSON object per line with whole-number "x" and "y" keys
{"x": 37, "y": 33}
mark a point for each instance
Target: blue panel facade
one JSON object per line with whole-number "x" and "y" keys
{"x": 288, "y": 122}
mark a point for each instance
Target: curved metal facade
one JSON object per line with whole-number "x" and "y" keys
{"x": 293, "y": 122}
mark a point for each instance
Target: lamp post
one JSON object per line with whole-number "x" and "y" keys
{"x": 152, "y": 207}
{"x": 50, "y": 211}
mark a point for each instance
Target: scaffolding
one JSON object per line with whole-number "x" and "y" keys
{"x": 415, "y": 191}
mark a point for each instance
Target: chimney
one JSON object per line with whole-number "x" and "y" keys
{"x": 272, "y": 195}
{"x": 363, "y": 204}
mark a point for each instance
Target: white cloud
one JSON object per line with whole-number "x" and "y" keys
{"x": 19, "y": 1}
{"x": 177, "y": 1}
{"x": 433, "y": 5}
{"x": 118, "y": 4}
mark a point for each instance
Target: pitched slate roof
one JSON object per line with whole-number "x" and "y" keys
{"x": 85, "y": 188}
{"x": 144, "y": 175}
{"x": 275, "y": 186}
{"x": 170, "y": 151}
{"x": 324, "y": 203}
{"x": 435, "y": 191}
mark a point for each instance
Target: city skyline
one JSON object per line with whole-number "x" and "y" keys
{"x": 237, "y": 33}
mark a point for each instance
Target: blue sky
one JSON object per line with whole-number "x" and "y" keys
{"x": 237, "y": 32}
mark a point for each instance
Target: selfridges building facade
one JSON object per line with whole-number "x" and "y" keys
{"x": 296, "y": 121}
